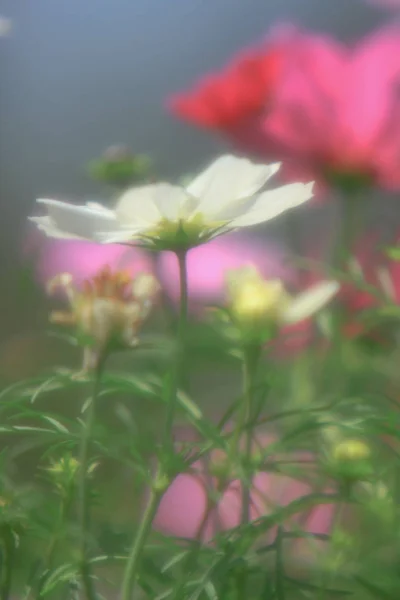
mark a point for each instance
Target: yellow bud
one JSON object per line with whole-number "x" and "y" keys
{"x": 254, "y": 299}
{"x": 351, "y": 451}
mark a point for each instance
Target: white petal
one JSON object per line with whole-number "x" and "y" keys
{"x": 171, "y": 201}
{"x": 227, "y": 180}
{"x": 272, "y": 203}
{"x": 122, "y": 236}
{"x": 137, "y": 205}
{"x": 46, "y": 225}
{"x": 71, "y": 221}
{"x": 309, "y": 302}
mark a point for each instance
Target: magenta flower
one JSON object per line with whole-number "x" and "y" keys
{"x": 184, "y": 510}
{"x": 336, "y": 115}
{"x": 208, "y": 264}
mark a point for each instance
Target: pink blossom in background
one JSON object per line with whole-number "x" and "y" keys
{"x": 183, "y": 507}
{"x": 329, "y": 110}
{"x": 84, "y": 259}
{"x": 208, "y": 265}
{"x": 336, "y": 117}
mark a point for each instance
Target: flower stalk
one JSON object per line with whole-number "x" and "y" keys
{"x": 83, "y": 488}
{"x": 250, "y": 363}
{"x": 158, "y": 488}
{"x": 180, "y": 341}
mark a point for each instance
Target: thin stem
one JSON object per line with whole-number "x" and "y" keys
{"x": 83, "y": 491}
{"x": 348, "y": 229}
{"x": 157, "y": 491}
{"x": 180, "y": 341}
{"x": 54, "y": 541}
{"x": 250, "y": 362}
{"x": 8, "y": 551}
{"x": 133, "y": 564}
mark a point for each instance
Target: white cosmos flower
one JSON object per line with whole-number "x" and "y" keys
{"x": 225, "y": 197}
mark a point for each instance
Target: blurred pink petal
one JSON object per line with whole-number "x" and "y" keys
{"x": 208, "y": 264}
{"x": 84, "y": 259}
{"x": 337, "y": 109}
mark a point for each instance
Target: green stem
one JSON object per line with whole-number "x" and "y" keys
{"x": 133, "y": 564}
{"x": 348, "y": 229}
{"x": 180, "y": 341}
{"x": 54, "y": 541}
{"x": 83, "y": 491}
{"x": 157, "y": 492}
{"x": 250, "y": 362}
{"x": 8, "y": 551}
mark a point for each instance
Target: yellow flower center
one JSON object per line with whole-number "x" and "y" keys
{"x": 183, "y": 233}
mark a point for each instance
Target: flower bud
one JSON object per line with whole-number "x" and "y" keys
{"x": 261, "y": 305}
{"x": 351, "y": 460}
{"x": 254, "y": 300}
{"x": 63, "y": 472}
{"x": 351, "y": 451}
{"x": 119, "y": 166}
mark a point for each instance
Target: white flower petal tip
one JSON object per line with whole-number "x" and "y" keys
{"x": 71, "y": 221}
{"x": 309, "y": 302}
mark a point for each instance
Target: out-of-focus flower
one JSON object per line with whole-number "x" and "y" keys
{"x": 119, "y": 166}
{"x": 336, "y": 112}
{"x": 84, "y": 259}
{"x": 107, "y": 310}
{"x": 207, "y": 266}
{"x": 330, "y": 111}
{"x": 221, "y": 199}
{"x": 259, "y": 304}
{"x": 5, "y": 26}
{"x": 185, "y": 508}
{"x": 235, "y": 100}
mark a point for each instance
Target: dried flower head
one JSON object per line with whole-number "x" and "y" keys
{"x": 107, "y": 310}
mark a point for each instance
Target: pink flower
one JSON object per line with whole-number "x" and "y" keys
{"x": 208, "y": 264}
{"x": 336, "y": 115}
{"x": 84, "y": 259}
{"x": 184, "y": 510}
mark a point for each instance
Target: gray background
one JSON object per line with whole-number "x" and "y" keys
{"x": 78, "y": 75}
